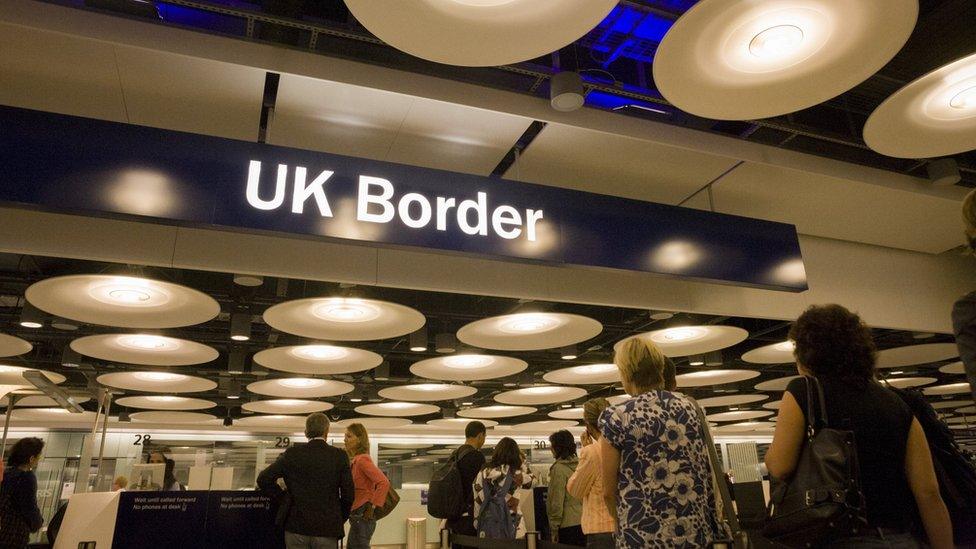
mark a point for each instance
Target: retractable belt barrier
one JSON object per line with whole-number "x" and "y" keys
{"x": 531, "y": 541}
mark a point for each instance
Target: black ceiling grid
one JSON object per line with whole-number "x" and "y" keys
{"x": 447, "y": 312}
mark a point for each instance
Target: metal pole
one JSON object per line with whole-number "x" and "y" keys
{"x": 84, "y": 464}
{"x": 531, "y": 540}
{"x": 11, "y": 402}
{"x": 101, "y": 448}
{"x": 445, "y": 538}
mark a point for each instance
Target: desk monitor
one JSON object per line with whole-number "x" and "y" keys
{"x": 146, "y": 477}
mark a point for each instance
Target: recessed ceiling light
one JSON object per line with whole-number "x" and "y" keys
{"x": 785, "y": 346}
{"x": 428, "y": 387}
{"x": 301, "y": 382}
{"x": 468, "y": 361}
{"x": 128, "y": 291}
{"x": 776, "y": 42}
{"x": 678, "y": 334}
{"x": 147, "y": 342}
{"x": 341, "y": 309}
{"x": 528, "y": 323}
{"x": 541, "y": 390}
{"x": 163, "y": 398}
{"x": 159, "y": 376}
{"x": 966, "y": 99}
{"x": 320, "y": 352}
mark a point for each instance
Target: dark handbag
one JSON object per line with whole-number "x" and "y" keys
{"x": 733, "y": 536}
{"x": 392, "y": 499}
{"x": 822, "y": 500}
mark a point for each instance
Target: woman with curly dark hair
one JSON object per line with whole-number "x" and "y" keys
{"x": 834, "y": 346}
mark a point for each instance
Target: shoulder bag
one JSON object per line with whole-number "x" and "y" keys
{"x": 733, "y": 535}
{"x": 822, "y": 500}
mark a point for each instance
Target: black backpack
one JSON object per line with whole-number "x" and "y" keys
{"x": 822, "y": 500}
{"x": 956, "y": 474}
{"x": 445, "y": 495}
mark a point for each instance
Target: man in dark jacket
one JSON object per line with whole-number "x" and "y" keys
{"x": 320, "y": 482}
{"x": 470, "y": 461}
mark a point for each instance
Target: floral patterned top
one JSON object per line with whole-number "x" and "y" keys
{"x": 666, "y": 495}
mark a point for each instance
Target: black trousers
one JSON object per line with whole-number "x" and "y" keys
{"x": 463, "y": 526}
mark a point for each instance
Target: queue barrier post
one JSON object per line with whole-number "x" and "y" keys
{"x": 531, "y": 540}
{"x": 445, "y": 538}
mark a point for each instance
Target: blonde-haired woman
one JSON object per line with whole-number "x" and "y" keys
{"x": 657, "y": 477}
{"x": 371, "y": 487}
{"x": 586, "y": 483}
{"x": 964, "y": 311}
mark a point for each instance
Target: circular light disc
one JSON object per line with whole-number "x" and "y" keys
{"x": 949, "y": 389}
{"x": 165, "y": 402}
{"x": 458, "y": 423}
{"x": 144, "y": 349}
{"x": 39, "y": 401}
{"x": 618, "y": 399}
{"x": 706, "y": 378}
{"x": 274, "y": 422}
{"x": 496, "y": 411}
{"x": 730, "y": 400}
{"x": 157, "y": 382}
{"x": 468, "y": 367}
{"x": 967, "y": 420}
{"x": 534, "y": 396}
{"x": 774, "y": 405}
{"x": 933, "y": 116}
{"x": 739, "y": 415}
{"x": 954, "y": 368}
{"x": 529, "y": 331}
{"x": 300, "y": 388}
{"x": 589, "y": 374}
{"x": 13, "y": 346}
{"x": 343, "y": 319}
{"x": 692, "y": 340}
{"x": 746, "y": 427}
{"x": 172, "y": 417}
{"x": 286, "y": 406}
{"x": 56, "y": 416}
{"x": 397, "y": 409}
{"x": 568, "y": 413}
{"x": 14, "y": 375}
{"x": 908, "y": 382}
{"x": 778, "y": 384}
{"x": 427, "y": 392}
{"x": 121, "y": 301}
{"x": 913, "y": 355}
{"x": 544, "y": 425}
{"x": 479, "y": 33}
{"x": 743, "y": 60}
{"x": 375, "y": 422}
{"x": 946, "y": 404}
{"x": 318, "y": 359}
{"x": 777, "y": 353}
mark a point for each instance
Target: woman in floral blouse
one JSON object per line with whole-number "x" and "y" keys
{"x": 653, "y": 451}
{"x": 506, "y": 459}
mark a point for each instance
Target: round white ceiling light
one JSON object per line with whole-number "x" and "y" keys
{"x": 458, "y": 423}
{"x": 300, "y": 387}
{"x": 547, "y": 425}
{"x": 705, "y": 378}
{"x": 546, "y": 394}
{"x": 932, "y": 116}
{"x": 272, "y": 422}
{"x": 777, "y": 353}
{"x": 427, "y": 392}
{"x": 618, "y": 399}
{"x": 744, "y": 60}
{"x": 692, "y": 340}
{"x": 479, "y": 33}
{"x": 496, "y": 411}
{"x": 318, "y": 359}
{"x": 122, "y": 301}
{"x": 746, "y": 427}
{"x": 375, "y": 422}
{"x": 14, "y": 375}
{"x": 739, "y": 415}
{"x": 589, "y": 374}
{"x": 730, "y": 400}
{"x": 948, "y": 389}
{"x": 172, "y": 417}
{"x": 40, "y": 401}
{"x": 953, "y": 368}
{"x": 13, "y": 346}
{"x": 144, "y": 349}
{"x": 165, "y": 402}
{"x": 778, "y": 384}
{"x": 568, "y": 413}
{"x": 529, "y": 331}
{"x": 343, "y": 318}
{"x": 58, "y": 415}
{"x": 157, "y": 382}
{"x": 913, "y": 355}
{"x": 774, "y": 405}
{"x": 397, "y": 409}
{"x": 286, "y": 406}
{"x": 468, "y": 367}
{"x": 908, "y": 382}
{"x": 946, "y": 404}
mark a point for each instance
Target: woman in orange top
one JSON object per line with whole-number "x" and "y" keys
{"x": 586, "y": 484}
{"x": 371, "y": 487}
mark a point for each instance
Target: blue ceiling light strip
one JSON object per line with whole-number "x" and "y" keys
{"x": 628, "y": 32}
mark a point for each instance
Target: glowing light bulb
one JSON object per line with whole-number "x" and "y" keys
{"x": 158, "y": 376}
{"x": 320, "y": 352}
{"x": 340, "y": 309}
{"x": 528, "y": 323}
{"x": 468, "y": 361}
{"x": 147, "y": 342}
{"x": 776, "y": 42}
{"x": 126, "y": 295}
{"x": 301, "y": 382}
{"x": 671, "y": 335}
{"x": 541, "y": 390}
{"x": 966, "y": 99}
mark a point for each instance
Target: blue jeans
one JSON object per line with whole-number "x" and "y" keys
{"x": 298, "y": 541}
{"x": 883, "y": 538}
{"x": 360, "y": 530}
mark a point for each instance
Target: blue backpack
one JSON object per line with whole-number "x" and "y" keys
{"x": 495, "y": 521}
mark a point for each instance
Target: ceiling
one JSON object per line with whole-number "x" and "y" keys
{"x": 445, "y": 313}
{"x": 70, "y": 74}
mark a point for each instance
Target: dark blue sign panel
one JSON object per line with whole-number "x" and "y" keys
{"x": 88, "y": 166}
